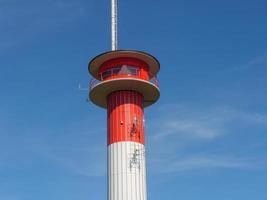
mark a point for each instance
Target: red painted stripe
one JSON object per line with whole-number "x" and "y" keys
{"x": 123, "y": 61}
{"x": 139, "y": 65}
{"x": 125, "y": 117}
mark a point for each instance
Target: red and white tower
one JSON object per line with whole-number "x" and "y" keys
{"x": 124, "y": 82}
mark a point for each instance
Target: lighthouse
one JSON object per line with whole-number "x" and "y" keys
{"x": 124, "y": 83}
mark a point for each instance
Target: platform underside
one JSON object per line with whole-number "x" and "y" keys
{"x": 99, "y": 93}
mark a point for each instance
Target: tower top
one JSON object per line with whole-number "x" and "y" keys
{"x": 123, "y": 70}
{"x": 96, "y": 63}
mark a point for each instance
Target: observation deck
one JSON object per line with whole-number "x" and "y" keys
{"x": 124, "y": 70}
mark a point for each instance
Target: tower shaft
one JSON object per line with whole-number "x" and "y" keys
{"x": 125, "y": 83}
{"x": 126, "y": 151}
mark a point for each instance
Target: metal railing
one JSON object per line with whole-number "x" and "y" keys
{"x": 120, "y": 72}
{"x": 154, "y": 80}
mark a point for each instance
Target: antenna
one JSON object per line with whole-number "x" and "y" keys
{"x": 114, "y": 25}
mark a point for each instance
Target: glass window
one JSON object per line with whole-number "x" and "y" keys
{"x": 116, "y": 70}
{"x": 106, "y": 74}
{"x": 132, "y": 71}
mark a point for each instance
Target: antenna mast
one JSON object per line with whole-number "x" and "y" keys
{"x": 114, "y": 27}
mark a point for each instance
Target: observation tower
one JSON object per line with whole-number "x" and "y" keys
{"x": 124, "y": 82}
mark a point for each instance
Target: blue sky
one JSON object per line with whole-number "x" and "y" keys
{"x": 207, "y": 136}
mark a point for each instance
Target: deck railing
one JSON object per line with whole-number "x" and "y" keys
{"x": 119, "y": 72}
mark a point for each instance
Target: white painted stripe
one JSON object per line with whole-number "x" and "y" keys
{"x": 127, "y": 171}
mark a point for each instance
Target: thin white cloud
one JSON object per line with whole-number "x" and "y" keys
{"x": 22, "y": 22}
{"x": 185, "y": 122}
{"x": 90, "y": 162}
{"x": 253, "y": 118}
{"x": 200, "y": 124}
{"x": 185, "y": 128}
{"x": 86, "y": 158}
{"x": 259, "y": 61}
{"x": 78, "y": 148}
{"x": 202, "y": 162}
{"x": 10, "y": 197}
{"x": 188, "y": 128}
